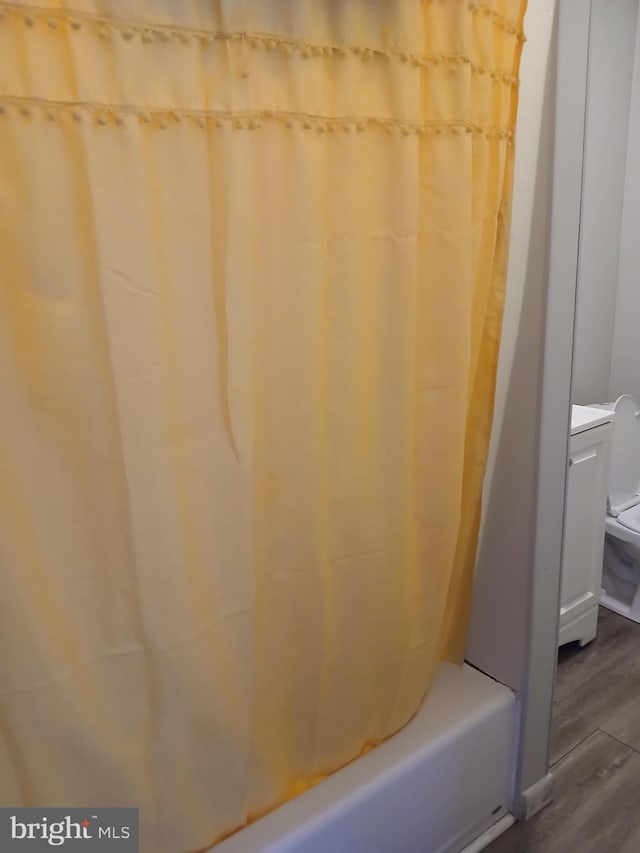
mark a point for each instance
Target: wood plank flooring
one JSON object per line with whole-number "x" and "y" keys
{"x": 595, "y": 750}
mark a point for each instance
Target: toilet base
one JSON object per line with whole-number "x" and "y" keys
{"x": 621, "y": 578}
{"x": 629, "y": 611}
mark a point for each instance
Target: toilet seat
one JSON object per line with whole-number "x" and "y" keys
{"x": 621, "y": 571}
{"x": 624, "y": 474}
{"x": 630, "y": 518}
{"x": 625, "y": 534}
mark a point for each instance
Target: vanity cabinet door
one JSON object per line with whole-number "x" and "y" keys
{"x": 585, "y": 516}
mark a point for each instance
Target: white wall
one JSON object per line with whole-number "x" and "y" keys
{"x": 518, "y": 569}
{"x": 509, "y": 495}
{"x": 625, "y": 361}
{"x": 611, "y": 50}
{"x": 501, "y": 632}
{"x": 513, "y": 632}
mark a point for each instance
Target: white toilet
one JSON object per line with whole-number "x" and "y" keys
{"x": 621, "y": 568}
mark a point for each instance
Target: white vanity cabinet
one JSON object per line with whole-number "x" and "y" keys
{"x": 585, "y": 515}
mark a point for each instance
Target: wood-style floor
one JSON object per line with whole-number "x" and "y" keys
{"x": 595, "y": 750}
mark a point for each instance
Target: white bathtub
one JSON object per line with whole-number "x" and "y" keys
{"x": 432, "y": 788}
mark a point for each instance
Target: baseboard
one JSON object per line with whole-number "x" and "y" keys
{"x": 534, "y": 799}
{"x": 490, "y": 834}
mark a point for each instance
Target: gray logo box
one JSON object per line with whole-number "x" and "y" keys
{"x": 73, "y": 830}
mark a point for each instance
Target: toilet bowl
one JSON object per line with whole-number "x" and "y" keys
{"x": 621, "y": 564}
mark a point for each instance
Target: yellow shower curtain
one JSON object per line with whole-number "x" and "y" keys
{"x": 252, "y": 258}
